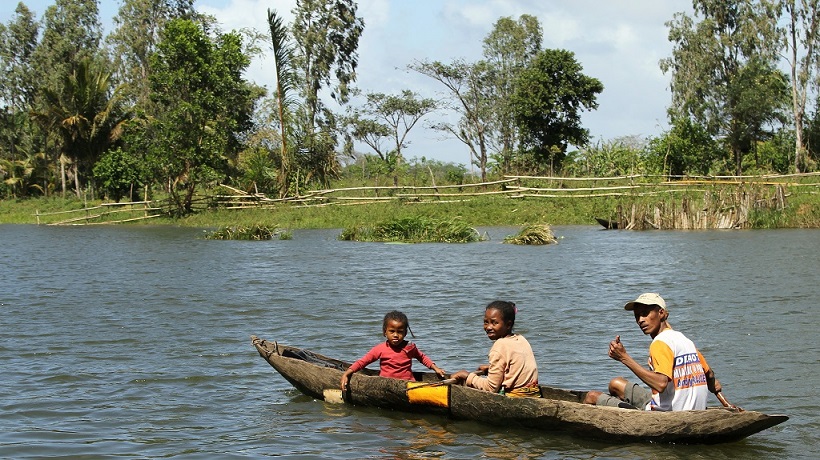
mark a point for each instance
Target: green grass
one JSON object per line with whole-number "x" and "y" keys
{"x": 417, "y": 229}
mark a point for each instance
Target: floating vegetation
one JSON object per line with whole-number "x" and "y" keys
{"x": 242, "y": 232}
{"x": 416, "y": 229}
{"x": 533, "y": 234}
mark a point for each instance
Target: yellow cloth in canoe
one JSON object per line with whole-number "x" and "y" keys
{"x": 428, "y": 394}
{"x": 532, "y": 391}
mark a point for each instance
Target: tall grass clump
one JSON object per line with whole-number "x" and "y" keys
{"x": 242, "y": 232}
{"x": 535, "y": 234}
{"x": 416, "y": 229}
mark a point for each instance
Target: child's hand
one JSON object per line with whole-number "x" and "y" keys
{"x": 439, "y": 371}
{"x": 345, "y": 381}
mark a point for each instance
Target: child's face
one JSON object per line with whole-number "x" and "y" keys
{"x": 395, "y": 332}
{"x": 494, "y": 324}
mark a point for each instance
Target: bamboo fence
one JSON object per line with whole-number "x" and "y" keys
{"x": 691, "y": 202}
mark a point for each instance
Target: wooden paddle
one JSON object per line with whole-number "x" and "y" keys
{"x": 434, "y": 384}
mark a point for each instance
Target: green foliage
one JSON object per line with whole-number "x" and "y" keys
{"x": 687, "y": 148}
{"x": 259, "y": 171}
{"x": 138, "y": 24}
{"x": 469, "y": 86}
{"x": 508, "y": 49}
{"x": 774, "y": 155}
{"x": 239, "y": 232}
{"x": 118, "y": 174}
{"x": 86, "y": 114}
{"x": 548, "y": 99}
{"x": 535, "y": 234}
{"x": 18, "y": 40}
{"x": 203, "y": 106}
{"x": 387, "y": 117}
{"x": 71, "y": 35}
{"x": 417, "y": 229}
{"x": 286, "y": 81}
{"x": 23, "y": 177}
{"x": 606, "y": 159}
{"x": 325, "y": 56}
{"x": 724, "y": 71}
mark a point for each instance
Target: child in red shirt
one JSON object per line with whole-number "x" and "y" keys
{"x": 395, "y": 354}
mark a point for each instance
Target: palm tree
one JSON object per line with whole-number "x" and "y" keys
{"x": 21, "y": 175}
{"x": 86, "y": 114}
{"x": 285, "y": 84}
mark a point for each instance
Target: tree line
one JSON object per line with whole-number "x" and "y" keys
{"x": 162, "y": 103}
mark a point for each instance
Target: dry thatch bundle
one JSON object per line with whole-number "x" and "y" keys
{"x": 241, "y": 232}
{"x": 533, "y": 234}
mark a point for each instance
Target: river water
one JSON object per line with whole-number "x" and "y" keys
{"x": 133, "y": 341}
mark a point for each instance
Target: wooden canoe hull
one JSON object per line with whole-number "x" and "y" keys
{"x": 608, "y": 224}
{"x": 557, "y": 410}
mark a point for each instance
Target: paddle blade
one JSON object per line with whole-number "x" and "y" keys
{"x": 333, "y": 396}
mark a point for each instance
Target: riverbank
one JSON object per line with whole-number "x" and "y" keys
{"x": 800, "y": 209}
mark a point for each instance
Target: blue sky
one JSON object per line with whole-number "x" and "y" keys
{"x": 618, "y": 41}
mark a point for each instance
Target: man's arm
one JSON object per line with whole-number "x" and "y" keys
{"x": 714, "y": 386}
{"x": 654, "y": 380}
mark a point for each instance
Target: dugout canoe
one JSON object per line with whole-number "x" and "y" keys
{"x": 608, "y": 224}
{"x": 557, "y": 410}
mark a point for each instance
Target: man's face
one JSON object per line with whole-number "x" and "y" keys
{"x": 649, "y": 318}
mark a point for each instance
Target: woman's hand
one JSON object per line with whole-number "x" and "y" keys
{"x": 460, "y": 376}
{"x": 483, "y": 369}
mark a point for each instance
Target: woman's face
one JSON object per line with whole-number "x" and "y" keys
{"x": 494, "y": 324}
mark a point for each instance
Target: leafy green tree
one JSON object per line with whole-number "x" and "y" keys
{"x": 20, "y": 140}
{"x": 71, "y": 35}
{"x": 775, "y": 155}
{"x": 18, "y": 40}
{"x": 325, "y": 56}
{"x": 470, "y": 88}
{"x": 802, "y": 31}
{"x": 719, "y": 62}
{"x": 204, "y": 105}
{"x": 118, "y": 174}
{"x": 687, "y": 148}
{"x": 547, "y": 103}
{"x": 508, "y": 49}
{"x": 137, "y": 28}
{"x": 389, "y": 117}
{"x": 757, "y": 85}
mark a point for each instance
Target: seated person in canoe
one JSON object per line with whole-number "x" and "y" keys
{"x": 395, "y": 354}
{"x": 679, "y": 377}
{"x": 512, "y": 369}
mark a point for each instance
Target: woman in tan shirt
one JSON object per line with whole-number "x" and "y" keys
{"x": 512, "y": 369}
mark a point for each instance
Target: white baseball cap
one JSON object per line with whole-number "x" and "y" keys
{"x": 647, "y": 298}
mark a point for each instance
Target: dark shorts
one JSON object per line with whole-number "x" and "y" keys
{"x": 634, "y": 395}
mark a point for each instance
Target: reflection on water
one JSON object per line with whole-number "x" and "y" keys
{"x": 134, "y": 341}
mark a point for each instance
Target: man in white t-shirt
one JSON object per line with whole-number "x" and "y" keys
{"x": 678, "y": 376}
